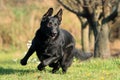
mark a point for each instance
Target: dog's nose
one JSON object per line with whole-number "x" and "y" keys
{"x": 54, "y": 33}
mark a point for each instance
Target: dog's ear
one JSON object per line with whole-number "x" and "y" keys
{"x": 48, "y": 13}
{"x": 59, "y": 15}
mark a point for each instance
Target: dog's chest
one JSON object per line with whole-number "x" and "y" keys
{"x": 50, "y": 48}
{"x": 47, "y": 48}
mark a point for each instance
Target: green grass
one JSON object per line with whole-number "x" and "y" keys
{"x": 94, "y": 69}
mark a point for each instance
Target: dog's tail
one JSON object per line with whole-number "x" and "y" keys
{"x": 81, "y": 55}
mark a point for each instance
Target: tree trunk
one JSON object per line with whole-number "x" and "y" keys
{"x": 91, "y": 38}
{"x": 119, "y": 32}
{"x": 85, "y": 39}
{"x": 84, "y": 35}
{"x": 102, "y": 48}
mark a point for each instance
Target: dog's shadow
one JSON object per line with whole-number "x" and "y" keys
{"x": 7, "y": 71}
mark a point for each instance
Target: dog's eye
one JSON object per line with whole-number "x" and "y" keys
{"x": 49, "y": 24}
{"x": 55, "y": 24}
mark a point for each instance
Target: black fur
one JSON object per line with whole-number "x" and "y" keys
{"x": 55, "y": 47}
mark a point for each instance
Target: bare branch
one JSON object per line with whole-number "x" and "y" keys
{"x": 112, "y": 15}
{"x": 83, "y": 21}
{"x": 72, "y": 10}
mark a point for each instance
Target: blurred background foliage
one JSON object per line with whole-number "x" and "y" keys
{"x": 19, "y": 20}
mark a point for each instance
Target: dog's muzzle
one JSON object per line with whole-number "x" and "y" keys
{"x": 53, "y": 35}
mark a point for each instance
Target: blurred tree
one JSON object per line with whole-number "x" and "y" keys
{"x": 115, "y": 29}
{"x": 98, "y": 14}
{"x": 84, "y": 34}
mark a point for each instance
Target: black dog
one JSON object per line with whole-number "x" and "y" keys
{"x": 55, "y": 47}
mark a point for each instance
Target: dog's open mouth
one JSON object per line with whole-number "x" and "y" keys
{"x": 53, "y": 35}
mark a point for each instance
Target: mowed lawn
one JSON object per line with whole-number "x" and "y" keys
{"x": 94, "y": 69}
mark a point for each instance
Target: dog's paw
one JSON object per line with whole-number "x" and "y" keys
{"x": 64, "y": 71}
{"x": 40, "y": 67}
{"x": 54, "y": 70}
{"x": 23, "y": 62}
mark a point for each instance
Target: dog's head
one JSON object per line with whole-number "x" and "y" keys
{"x": 50, "y": 24}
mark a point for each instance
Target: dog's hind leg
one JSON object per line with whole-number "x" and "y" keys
{"x": 55, "y": 66}
{"x": 67, "y": 58}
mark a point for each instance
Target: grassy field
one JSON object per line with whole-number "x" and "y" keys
{"x": 94, "y": 69}
{"x": 19, "y": 26}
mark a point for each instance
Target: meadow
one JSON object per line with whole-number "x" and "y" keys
{"x": 19, "y": 26}
{"x": 93, "y": 69}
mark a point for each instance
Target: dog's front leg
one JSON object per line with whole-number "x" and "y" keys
{"x": 29, "y": 53}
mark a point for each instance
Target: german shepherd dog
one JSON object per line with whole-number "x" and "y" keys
{"x": 54, "y": 47}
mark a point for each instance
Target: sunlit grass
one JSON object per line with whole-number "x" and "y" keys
{"x": 94, "y": 69}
